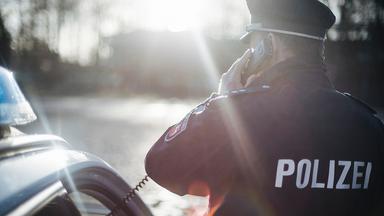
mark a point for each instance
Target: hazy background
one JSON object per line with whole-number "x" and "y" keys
{"x": 111, "y": 75}
{"x": 167, "y": 48}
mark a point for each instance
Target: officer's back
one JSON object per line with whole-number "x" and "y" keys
{"x": 319, "y": 152}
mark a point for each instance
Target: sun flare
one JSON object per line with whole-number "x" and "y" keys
{"x": 175, "y": 15}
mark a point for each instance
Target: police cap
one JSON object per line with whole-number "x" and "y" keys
{"x": 304, "y": 18}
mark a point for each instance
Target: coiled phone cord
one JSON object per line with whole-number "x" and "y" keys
{"x": 131, "y": 194}
{"x": 133, "y": 191}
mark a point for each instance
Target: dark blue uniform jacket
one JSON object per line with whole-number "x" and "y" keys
{"x": 289, "y": 144}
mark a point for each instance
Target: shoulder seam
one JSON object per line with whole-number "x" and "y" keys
{"x": 360, "y": 102}
{"x": 243, "y": 91}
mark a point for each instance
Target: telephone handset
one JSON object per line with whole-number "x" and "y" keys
{"x": 261, "y": 55}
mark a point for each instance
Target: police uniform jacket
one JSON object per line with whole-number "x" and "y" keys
{"x": 288, "y": 144}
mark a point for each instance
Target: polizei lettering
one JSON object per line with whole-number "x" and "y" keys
{"x": 342, "y": 175}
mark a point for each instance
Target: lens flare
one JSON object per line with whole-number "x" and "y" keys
{"x": 243, "y": 147}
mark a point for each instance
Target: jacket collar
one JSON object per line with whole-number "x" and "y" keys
{"x": 294, "y": 69}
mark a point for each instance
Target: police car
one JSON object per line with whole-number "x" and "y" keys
{"x": 44, "y": 175}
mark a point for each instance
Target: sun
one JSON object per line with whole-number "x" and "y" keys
{"x": 174, "y": 15}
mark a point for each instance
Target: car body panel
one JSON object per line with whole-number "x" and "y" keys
{"x": 39, "y": 200}
{"x": 33, "y": 167}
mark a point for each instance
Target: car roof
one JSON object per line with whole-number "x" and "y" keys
{"x": 11, "y": 146}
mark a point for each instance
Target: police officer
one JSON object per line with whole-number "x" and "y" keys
{"x": 277, "y": 139}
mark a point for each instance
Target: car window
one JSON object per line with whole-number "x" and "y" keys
{"x": 104, "y": 190}
{"x": 59, "y": 206}
{"x": 88, "y": 205}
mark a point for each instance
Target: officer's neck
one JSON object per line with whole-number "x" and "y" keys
{"x": 280, "y": 54}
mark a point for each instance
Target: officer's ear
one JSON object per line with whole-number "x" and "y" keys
{"x": 279, "y": 50}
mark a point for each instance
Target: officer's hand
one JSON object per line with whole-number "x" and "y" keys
{"x": 231, "y": 80}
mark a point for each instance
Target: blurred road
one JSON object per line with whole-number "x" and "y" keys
{"x": 120, "y": 131}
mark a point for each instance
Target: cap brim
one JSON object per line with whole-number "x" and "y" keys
{"x": 246, "y": 37}
{"x": 258, "y": 27}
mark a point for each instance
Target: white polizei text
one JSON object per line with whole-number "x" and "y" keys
{"x": 351, "y": 174}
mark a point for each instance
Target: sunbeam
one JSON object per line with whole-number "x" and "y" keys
{"x": 243, "y": 147}
{"x": 233, "y": 122}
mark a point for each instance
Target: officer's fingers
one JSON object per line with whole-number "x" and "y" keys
{"x": 241, "y": 64}
{"x": 244, "y": 59}
{"x": 233, "y": 66}
{"x": 232, "y": 78}
{"x": 250, "y": 80}
{"x": 240, "y": 61}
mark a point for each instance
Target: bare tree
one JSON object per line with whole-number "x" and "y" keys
{"x": 99, "y": 11}
{"x": 5, "y": 44}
